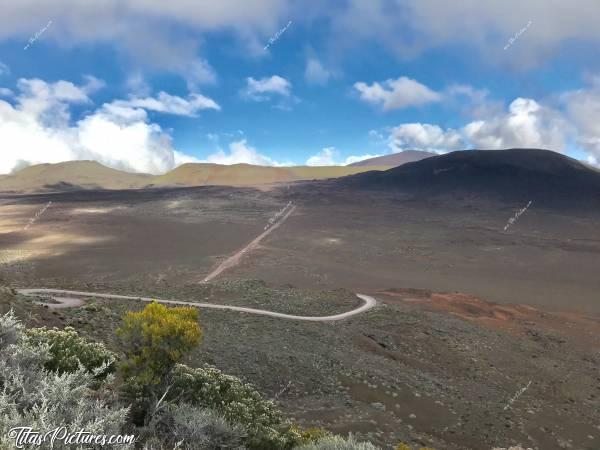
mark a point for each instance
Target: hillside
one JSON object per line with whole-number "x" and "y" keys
{"x": 74, "y": 175}
{"x": 525, "y": 174}
{"x": 395, "y": 159}
{"x": 71, "y": 175}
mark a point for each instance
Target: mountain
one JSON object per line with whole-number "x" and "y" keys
{"x": 524, "y": 174}
{"x": 71, "y": 175}
{"x": 74, "y": 175}
{"x": 200, "y": 174}
{"x": 395, "y": 159}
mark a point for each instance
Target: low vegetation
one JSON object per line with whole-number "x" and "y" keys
{"x": 51, "y": 378}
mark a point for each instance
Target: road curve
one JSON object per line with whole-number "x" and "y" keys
{"x": 68, "y": 299}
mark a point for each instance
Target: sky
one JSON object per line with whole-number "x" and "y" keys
{"x": 146, "y": 85}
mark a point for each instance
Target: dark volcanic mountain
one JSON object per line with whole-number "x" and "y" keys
{"x": 395, "y": 159}
{"x": 525, "y": 174}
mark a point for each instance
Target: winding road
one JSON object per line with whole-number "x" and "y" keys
{"x": 67, "y": 299}
{"x": 73, "y": 299}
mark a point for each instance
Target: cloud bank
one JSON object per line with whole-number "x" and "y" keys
{"x": 36, "y": 127}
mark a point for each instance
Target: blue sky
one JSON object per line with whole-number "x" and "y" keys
{"x": 142, "y": 85}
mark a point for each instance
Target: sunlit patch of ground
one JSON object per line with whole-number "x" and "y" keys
{"x": 48, "y": 245}
{"x": 331, "y": 241}
{"x": 95, "y": 210}
{"x": 15, "y": 218}
{"x": 174, "y": 204}
{"x": 13, "y": 256}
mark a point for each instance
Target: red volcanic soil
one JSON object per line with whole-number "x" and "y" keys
{"x": 514, "y": 318}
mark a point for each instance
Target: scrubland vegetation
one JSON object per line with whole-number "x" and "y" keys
{"x": 51, "y": 378}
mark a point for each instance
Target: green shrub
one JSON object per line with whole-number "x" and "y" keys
{"x": 68, "y": 350}
{"x": 193, "y": 427}
{"x": 32, "y": 396}
{"x": 156, "y": 338}
{"x": 237, "y": 402}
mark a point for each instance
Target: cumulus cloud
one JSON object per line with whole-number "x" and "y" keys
{"x": 241, "y": 152}
{"x": 423, "y": 136}
{"x": 37, "y": 128}
{"x": 324, "y": 158}
{"x": 329, "y": 156}
{"x": 171, "y": 104}
{"x": 396, "y": 94}
{"x": 526, "y": 124}
{"x": 315, "y": 73}
{"x": 264, "y": 88}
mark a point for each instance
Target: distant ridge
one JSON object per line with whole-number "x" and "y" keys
{"x": 71, "y": 175}
{"x": 395, "y": 159}
{"x": 524, "y": 174}
{"x": 76, "y": 175}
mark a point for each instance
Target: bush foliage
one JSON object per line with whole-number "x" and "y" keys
{"x": 156, "y": 338}
{"x": 50, "y": 378}
{"x": 237, "y": 402}
{"x": 31, "y": 395}
{"x": 68, "y": 351}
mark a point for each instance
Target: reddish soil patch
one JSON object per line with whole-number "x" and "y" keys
{"x": 512, "y": 318}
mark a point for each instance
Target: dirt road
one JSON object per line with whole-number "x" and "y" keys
{"x": 236, "y": 258}
{"x": 67, "y": 299}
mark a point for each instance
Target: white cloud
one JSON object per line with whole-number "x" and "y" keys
{"x": 171, "y": 104}
{"x": 137, "y": 85}
{"x": 5, "y": 92}
{"x": 325, "y": 157}
{"x": 396, "y": 94}
{"x": 527, "y": 124}
{"x": 411, "y": 27}
{"x": 182, "y": 158}
{"x": 353, "y": 159}
{"x": 329, "y": 156}
{"x": 264, "y": 88}
{"x": 423, "y": 136}
{"x": 37, "y": 128}
{"x": 166, "y": 36}
{"x": 241, "y": 152}
{"x": 583, "y": 111}
{"x": 315, "y": 73}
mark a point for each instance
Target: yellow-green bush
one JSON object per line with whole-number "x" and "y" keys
{"x": 403, "y": 446}
{"x": 156, "y": 338}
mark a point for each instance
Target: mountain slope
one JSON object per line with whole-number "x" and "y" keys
{"x": 92, "y": 175}
{"x": 525, "y": 174}
{"x": 395, "y": 159}
{"x": 72, "y": 175}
